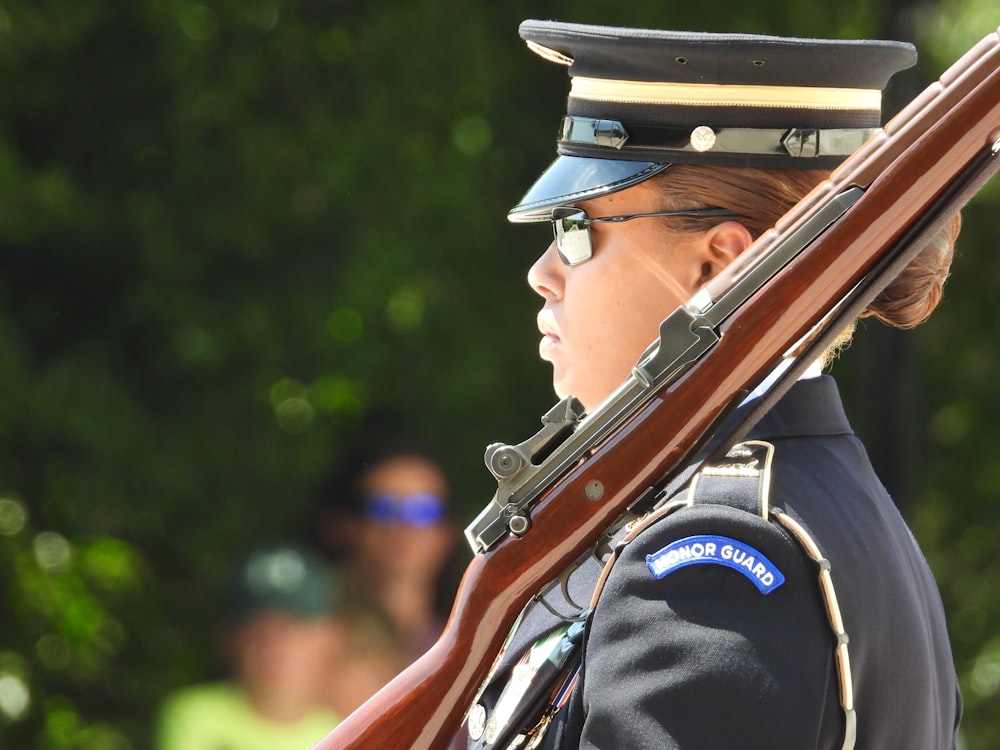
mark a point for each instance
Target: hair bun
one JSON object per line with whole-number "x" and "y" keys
{"x": 910, "y": 299}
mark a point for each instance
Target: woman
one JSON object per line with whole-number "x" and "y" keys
{"x": 384, "y": 513}
{"x": 719, "y": 623}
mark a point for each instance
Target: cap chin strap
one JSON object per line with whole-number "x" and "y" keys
{"x": 795, "y": 142}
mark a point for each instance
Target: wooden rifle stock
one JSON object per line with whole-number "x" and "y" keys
{"x": 904, "y": 171}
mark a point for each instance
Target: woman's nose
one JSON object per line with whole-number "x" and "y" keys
{"x": 546, "y": 274}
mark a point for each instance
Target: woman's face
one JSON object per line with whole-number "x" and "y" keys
{"x": 598, "y": 317}
{"x": 392, "y": 548}
{"x": 281, "y": 657}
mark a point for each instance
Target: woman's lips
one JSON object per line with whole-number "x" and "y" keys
{"x": 550, "y": 333}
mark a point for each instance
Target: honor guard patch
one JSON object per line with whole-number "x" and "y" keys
{"x": 717, "y": 550}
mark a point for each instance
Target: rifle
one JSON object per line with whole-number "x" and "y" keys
{"x": 560, "y": 491}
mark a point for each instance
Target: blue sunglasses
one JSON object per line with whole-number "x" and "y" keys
{"x": 419, "y": 509}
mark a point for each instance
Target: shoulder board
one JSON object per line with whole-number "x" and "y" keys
{"x": 742, "y": 480}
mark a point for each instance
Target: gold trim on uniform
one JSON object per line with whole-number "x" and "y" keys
{"x": 719, "y": 95}
{"x": 836, "y": 620}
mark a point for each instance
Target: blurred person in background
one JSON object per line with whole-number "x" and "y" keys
{"x": 383, "y": 514}
{"x": 281, "y": 632}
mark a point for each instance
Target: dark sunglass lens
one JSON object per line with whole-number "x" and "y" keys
{"x": 572, "y": 237}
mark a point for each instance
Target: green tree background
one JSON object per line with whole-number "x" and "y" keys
{"x": 232, "y": 229}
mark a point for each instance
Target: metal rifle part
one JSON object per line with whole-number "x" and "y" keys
{"x": 526, "y": 470}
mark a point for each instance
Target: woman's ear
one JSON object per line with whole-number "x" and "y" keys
{"x": 721, "y": 245}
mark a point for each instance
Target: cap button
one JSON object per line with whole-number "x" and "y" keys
{"x": 702, "y": 138}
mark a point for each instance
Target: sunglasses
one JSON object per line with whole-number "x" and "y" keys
{"x": 419, "y": 509}
{"x": 571, "y": 228}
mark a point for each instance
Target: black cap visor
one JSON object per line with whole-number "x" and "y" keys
{"x": 578, "y": 178}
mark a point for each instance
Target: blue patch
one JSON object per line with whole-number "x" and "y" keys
{"x": 716, "y": 550}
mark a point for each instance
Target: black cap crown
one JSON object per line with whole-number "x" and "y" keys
{"x": 643, "y": 99}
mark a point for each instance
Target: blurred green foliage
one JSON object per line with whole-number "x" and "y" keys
{"x": 229, "y": 231}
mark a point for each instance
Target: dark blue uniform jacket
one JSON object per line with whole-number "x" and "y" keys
{"x": 697, "y": 656}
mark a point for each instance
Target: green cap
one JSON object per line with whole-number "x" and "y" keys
{"x": 286, "y": 578}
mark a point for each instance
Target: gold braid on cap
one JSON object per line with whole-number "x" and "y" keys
{"x": 704, "y": 94}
